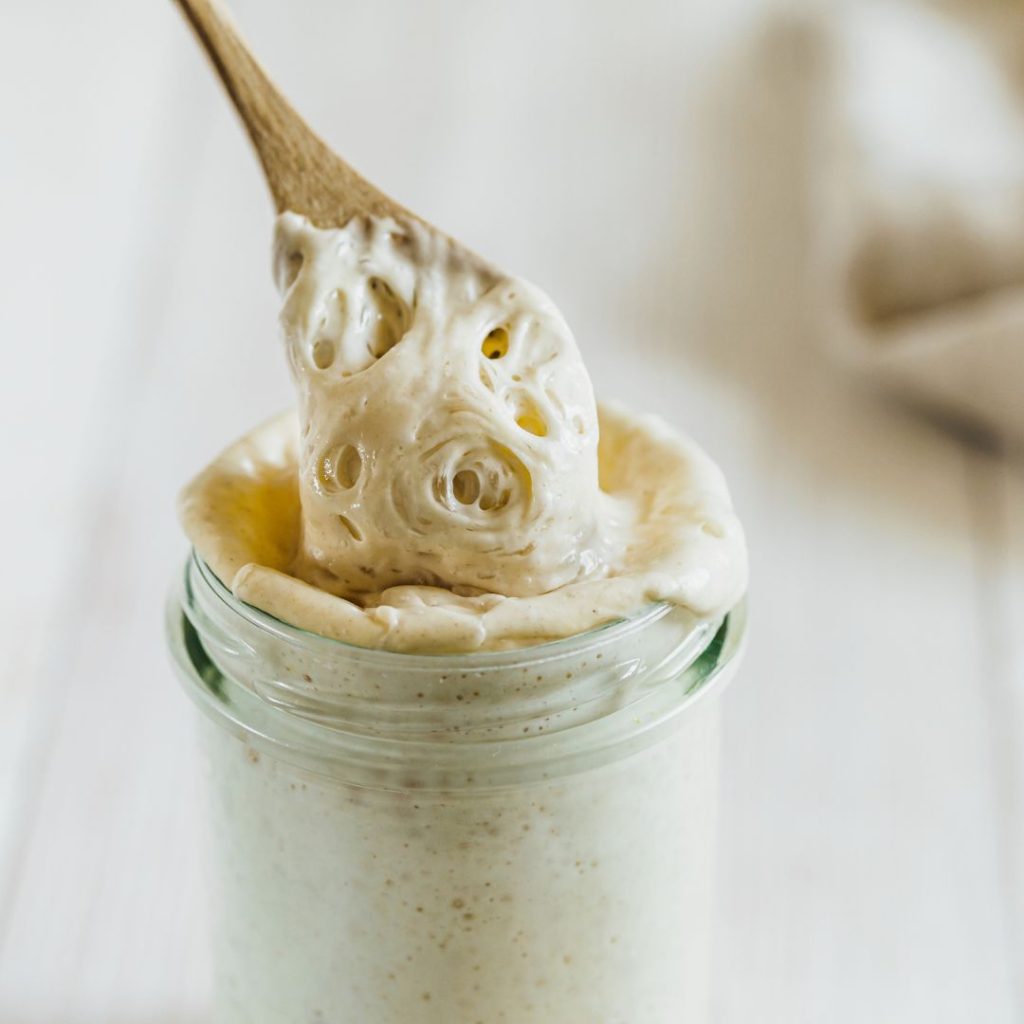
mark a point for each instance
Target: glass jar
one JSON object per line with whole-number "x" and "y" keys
{"x": 509, "y": 836}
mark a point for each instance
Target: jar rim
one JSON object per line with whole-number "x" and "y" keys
{"x": 504, "y": 658}
{"x": 624, "y": 687}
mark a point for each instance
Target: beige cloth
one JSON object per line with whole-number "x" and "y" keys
{"x": 921, "y": 214}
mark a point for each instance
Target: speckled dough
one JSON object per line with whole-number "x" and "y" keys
{"x": 583, "y": 900}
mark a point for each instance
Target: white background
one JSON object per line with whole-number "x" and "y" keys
{"x": 645, "y": 163}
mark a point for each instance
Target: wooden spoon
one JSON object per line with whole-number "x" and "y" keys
{"x": 303, "y": 172}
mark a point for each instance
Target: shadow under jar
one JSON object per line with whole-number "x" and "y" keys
{"x": 511, "y": 836}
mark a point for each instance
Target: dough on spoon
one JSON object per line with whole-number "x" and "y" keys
{"x": 451, "y": 486}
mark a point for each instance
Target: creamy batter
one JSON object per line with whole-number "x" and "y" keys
{"x": 449, "y": 482}
{"x": 581, "y": 900}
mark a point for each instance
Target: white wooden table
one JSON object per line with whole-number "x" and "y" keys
{"x": 873, "y": 817}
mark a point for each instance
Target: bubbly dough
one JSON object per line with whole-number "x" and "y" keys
{"x": 449, "y": 426}
{"x": 446, "y": 484}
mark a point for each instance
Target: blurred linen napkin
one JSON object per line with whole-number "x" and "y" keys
{"x": 919, "y": 225}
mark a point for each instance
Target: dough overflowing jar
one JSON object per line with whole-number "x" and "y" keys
{"x": 507, "y": 836}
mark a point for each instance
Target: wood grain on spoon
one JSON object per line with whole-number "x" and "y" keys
{"x": 303, "y": 172}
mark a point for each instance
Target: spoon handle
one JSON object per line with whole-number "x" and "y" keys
{"x": 303, "y": 172}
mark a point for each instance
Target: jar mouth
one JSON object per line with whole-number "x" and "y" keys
{"x": 384, "y": 718}
{"x": 437, "y": 660}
